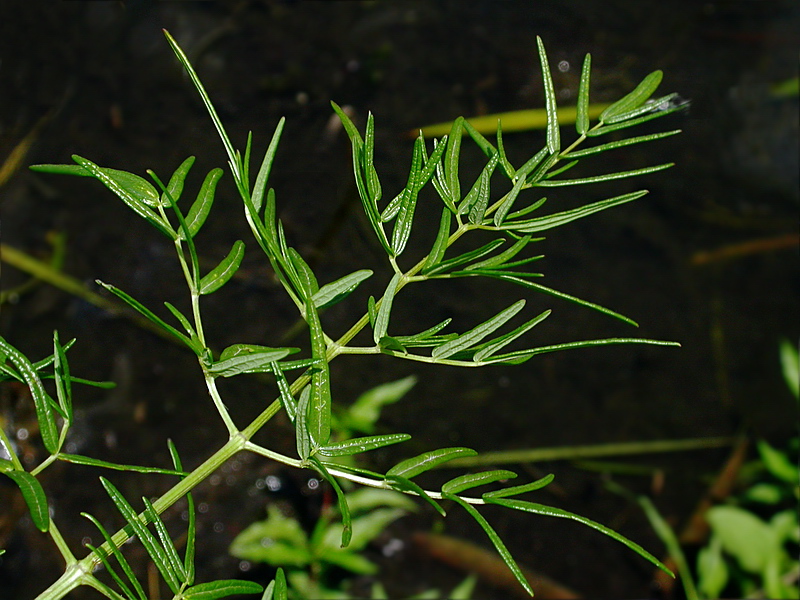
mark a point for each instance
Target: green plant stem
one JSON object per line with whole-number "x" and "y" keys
{"x": 69, "y": 557}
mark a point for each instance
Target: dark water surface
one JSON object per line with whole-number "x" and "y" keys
{"x": 112, "y": 91}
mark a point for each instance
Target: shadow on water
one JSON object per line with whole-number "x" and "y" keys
{"x": 113, "y": 93}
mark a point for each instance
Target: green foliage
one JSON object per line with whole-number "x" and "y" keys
{"x": 501, "y": 200}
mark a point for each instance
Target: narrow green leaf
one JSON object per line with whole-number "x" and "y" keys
{"x": 34, "y": 496}
{"x": 480, "y": 189}
{"x": 266, "y": 165}
{"x": 790, "y": 367}
{"x": 221, "y": 588}
{"x": 389, "y": 344}
{"x": 177, "y": 181}
{"x": 201, "y": 207}
{"x": 495, "y": 539}
{"x": 499, "y": 343}
{"x": 582, "y": 118}
{"x": 191, "y": 529}
{"x": 222, "y": 273}
{"x": 476, "y": 334}
{"x": 402, "y": 484}
{"x": 634, "y": 99}
{"x": 553, "y": 132}
{"x": 604, "y": 177}
{"x": 223, "y": 135}
{"x": 440, "y": 244}
{"x": 149, "y": 541}
{"x": 391, "y": 210}
{"x": 515, "y": 358}
{"x": 464, "y": 258}
{"x": 542, "y": 169}
{"x": 656, "y": 114}
{"x": 370, "y": 207}
{"x": 541, "y": 509}
{"x": 140, "y": 308}
{"x": 481, "y": 202}
{"x": 370, "y": 173}
{"x": 411, "y": 467}
{"x": 133, "y": 190}
{"x": 520, "y": 489}
{"x": 126, "y": 568}
{"x": 78, "y": 459}
{"x": 451, "y": 161}
{"x": 501, "y": 152}
{"x": 287, "y": 400}
{"x": 655, "y": 105}
{"x": 619, "y": 144}
{"x": 502, "y": 210}
{"x": 362, "y": 444}
{"x": 250, "y": 359}
{"x": 175, "y": 563}
{"x": 331, "y": 293}
{"x": 408, "y": 203}
{"x": 344, "y": 509}
{"x": 485, "y": 145}
{"x": 319, "y": 409}
{"x": 42, "y": 402}
{"x": 430, "y": 163}
{"x": 385, "y": 309}
{"x": 62, "y": 378}
{"x": 567, "y": 216}
{"x": 531, "y": 164}
{"x": 302, "y": 436}
{"x": 183, "y": 320}
{"x": 472, "y": 480}
{"x": 503, "y": 257}
{"x": 527, "y": 210}
{"x": 307, "y": 280}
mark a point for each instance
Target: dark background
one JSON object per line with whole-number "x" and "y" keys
{"x": 102, "y": 82}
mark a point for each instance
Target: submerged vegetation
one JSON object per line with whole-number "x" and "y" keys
{"x": 504, "y": 200}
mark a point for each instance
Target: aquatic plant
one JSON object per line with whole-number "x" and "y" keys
{"x": 514, "y": 216}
